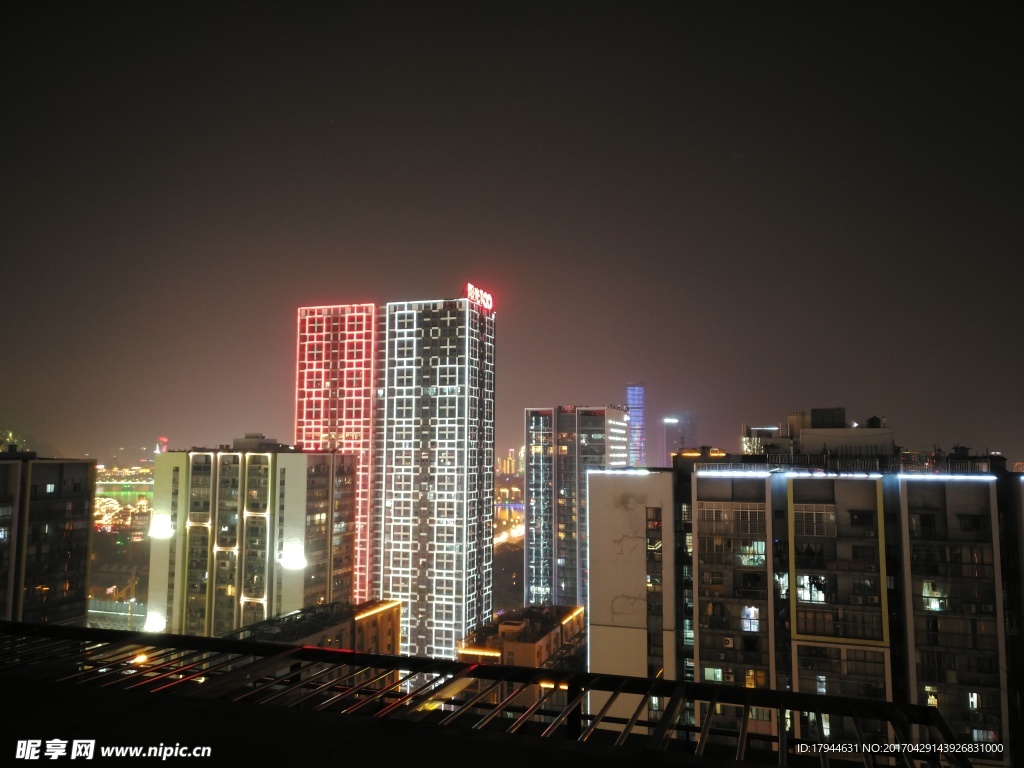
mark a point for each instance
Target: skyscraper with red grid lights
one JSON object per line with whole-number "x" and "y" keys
{"x": 408, "y": 387}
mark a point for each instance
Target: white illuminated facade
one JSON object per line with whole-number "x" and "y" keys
{"x": 434, "y": 484}
{"x": 248, "y": 532}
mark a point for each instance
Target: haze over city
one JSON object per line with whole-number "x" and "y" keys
{"x": 753, "y": 209}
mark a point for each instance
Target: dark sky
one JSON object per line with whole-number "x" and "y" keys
{"x": 754, "y": 209}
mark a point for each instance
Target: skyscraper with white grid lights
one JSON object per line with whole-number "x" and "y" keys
{"x": 408, "y": 387}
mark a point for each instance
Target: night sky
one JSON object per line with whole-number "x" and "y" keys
{"x": 754, "y": 209}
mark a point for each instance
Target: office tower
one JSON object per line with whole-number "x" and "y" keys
{"x": 508, "y": 466}
{"x": 563, "y": 443}
{"x": 672, "y": 439}
{"x": 45, "y": 537}
{"x": 825, "y": 574}
{"x": 246, "y": 532}
{"x": 637, "y": 431}
{"x": 408, "y": 388}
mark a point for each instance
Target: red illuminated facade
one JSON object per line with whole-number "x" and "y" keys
{"x": 335, "y": 375}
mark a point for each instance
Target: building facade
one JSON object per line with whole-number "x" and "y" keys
{"x": 875, "y": 579}
{"x": 534, "y": 636}
{"x": 563, "y": 443}
{"x": 45, "y": 537}
{"x": 336, "y": 369}
{"x": 408, "y": 389}
{"x": 248, "y": 532}
{"x": 637, "y": 425}
{"x": 370, "y": 627}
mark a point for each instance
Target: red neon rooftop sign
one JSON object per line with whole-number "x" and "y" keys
{"x": 477, "y": 296}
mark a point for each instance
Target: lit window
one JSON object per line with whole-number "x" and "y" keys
{"x": 756, "y": 678}
{"x": 811, "y": 588}
{"x": 933, "y": 596}
{"x": 751, "y": 618}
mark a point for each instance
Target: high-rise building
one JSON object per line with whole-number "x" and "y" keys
{"x": 247, "y": 532}
{"x": 407, "y": 388}
{"x": 672, "y": 439}
{"x": 637, "y": 430}
{"x": 336, "y": 371}
{"x": 824, "y": 574}
{"x": 45, "y": 537}
{"x": 563, "y": 443}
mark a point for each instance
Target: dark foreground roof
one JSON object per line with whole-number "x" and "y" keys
{"x": 308, "y": 706}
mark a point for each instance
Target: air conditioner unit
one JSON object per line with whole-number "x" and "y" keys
{"x": 856, "y": 600}
{"x": 873, "y": 599}
{"x": 728, "y": 677}
{"x": 987, "y": 608}
{"x": 965, "y": 730}
{"x": 870, "y": 567}
{"x": 970, "y": 608}
{"x": 870, "y": 533}
{"x": 727, "y": 642}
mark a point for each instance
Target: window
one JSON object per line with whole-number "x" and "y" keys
{"x": 982, "y": 664}
{"x": 865, "y": 587}
{"x": 813, "y": 522}
{"x": 811, "y": 588}
{"x": 862, "y": 518}
{"x": 756, "y": 678}
{"x": 968, "y": 522}
{"x": 751, "y": 553}
{"x": 863, "y": 552}
{"x": 933, "y": 596}
{"x": 50, "y": 487}
{"x": 751, "y": 620}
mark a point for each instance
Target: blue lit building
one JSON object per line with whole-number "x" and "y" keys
{"x": 637, "y": 431}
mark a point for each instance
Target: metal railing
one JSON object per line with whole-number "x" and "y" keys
{"x": 751, "y": 726}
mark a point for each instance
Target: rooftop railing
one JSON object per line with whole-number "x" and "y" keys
{"x": 655, "y": 717}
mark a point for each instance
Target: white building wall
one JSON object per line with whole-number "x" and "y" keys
{"x": 167, "y": 533}
{"x": 289, "y": 532}
{"x": 617, "y": 610}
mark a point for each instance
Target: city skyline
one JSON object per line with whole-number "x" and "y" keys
{"x": 754, "y": 210}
